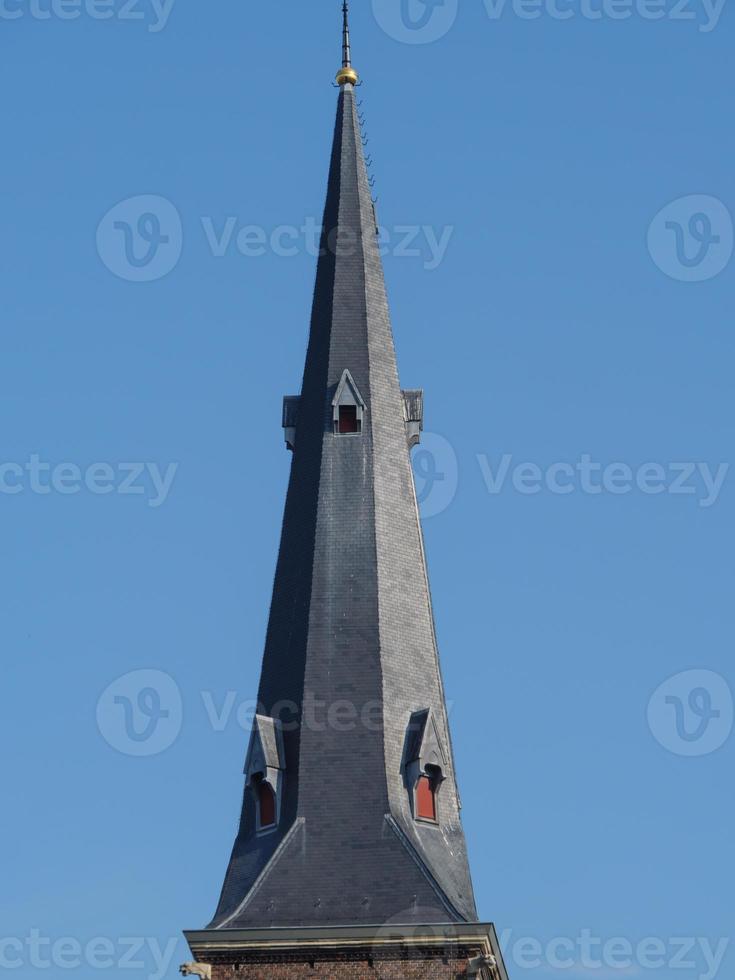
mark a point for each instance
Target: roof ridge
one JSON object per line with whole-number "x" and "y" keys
{"x": 270, "y": 865}
{"x": 423, "y": 866}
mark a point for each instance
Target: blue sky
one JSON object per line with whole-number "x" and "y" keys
{"x": 578, "y": 172}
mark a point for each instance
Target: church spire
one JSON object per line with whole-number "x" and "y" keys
{"x": 347, "y": 73}
{"x": 351, "y": 813}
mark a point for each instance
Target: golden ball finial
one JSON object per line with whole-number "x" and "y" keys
{"x": 345, "y": 75}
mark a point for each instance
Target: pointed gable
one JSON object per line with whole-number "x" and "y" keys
{"x": 423, "y": 744}
{"x": 347, "y": 392}
{"x": 265, "y": 751}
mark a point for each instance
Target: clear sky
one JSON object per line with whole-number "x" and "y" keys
{"x": 573, "y": 161}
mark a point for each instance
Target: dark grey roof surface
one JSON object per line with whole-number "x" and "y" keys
{"x": 351, "y": 621}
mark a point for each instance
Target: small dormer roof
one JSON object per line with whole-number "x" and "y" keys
{"x": 347, "y": 392}
{"x": 266, "y": 746}
{"x": 423, "y": 744}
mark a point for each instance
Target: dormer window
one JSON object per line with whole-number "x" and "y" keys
{"x": 425, "y": 765}
{"x": 264, "y": 770}
{"x": 348, "y": 421}
{"x": 426, "y": 797}
{"x": 266, "y": 802}
{"x": 348, "y": 407}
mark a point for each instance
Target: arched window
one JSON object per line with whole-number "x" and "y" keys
{"x": 266, "y": 805}
{"x": 426, "y": 798}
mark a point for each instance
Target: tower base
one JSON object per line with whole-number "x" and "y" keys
{"x": 390, "y": 952}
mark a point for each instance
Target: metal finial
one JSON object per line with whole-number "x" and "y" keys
{"x": 346, "y": 56}
{"x": 347, "y": 73}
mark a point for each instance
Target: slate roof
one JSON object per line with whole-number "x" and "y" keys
{"x": 350, "y": 620}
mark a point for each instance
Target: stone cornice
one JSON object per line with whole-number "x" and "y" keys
{"x": 340, "y": 943}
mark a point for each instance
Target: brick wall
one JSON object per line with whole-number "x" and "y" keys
{"x": 431, "y": 969}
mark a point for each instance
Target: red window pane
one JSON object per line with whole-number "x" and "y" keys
{"x": 348, "y": 418}
{"x": 267, "y": 805}
{"x": 425, "y": 799}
